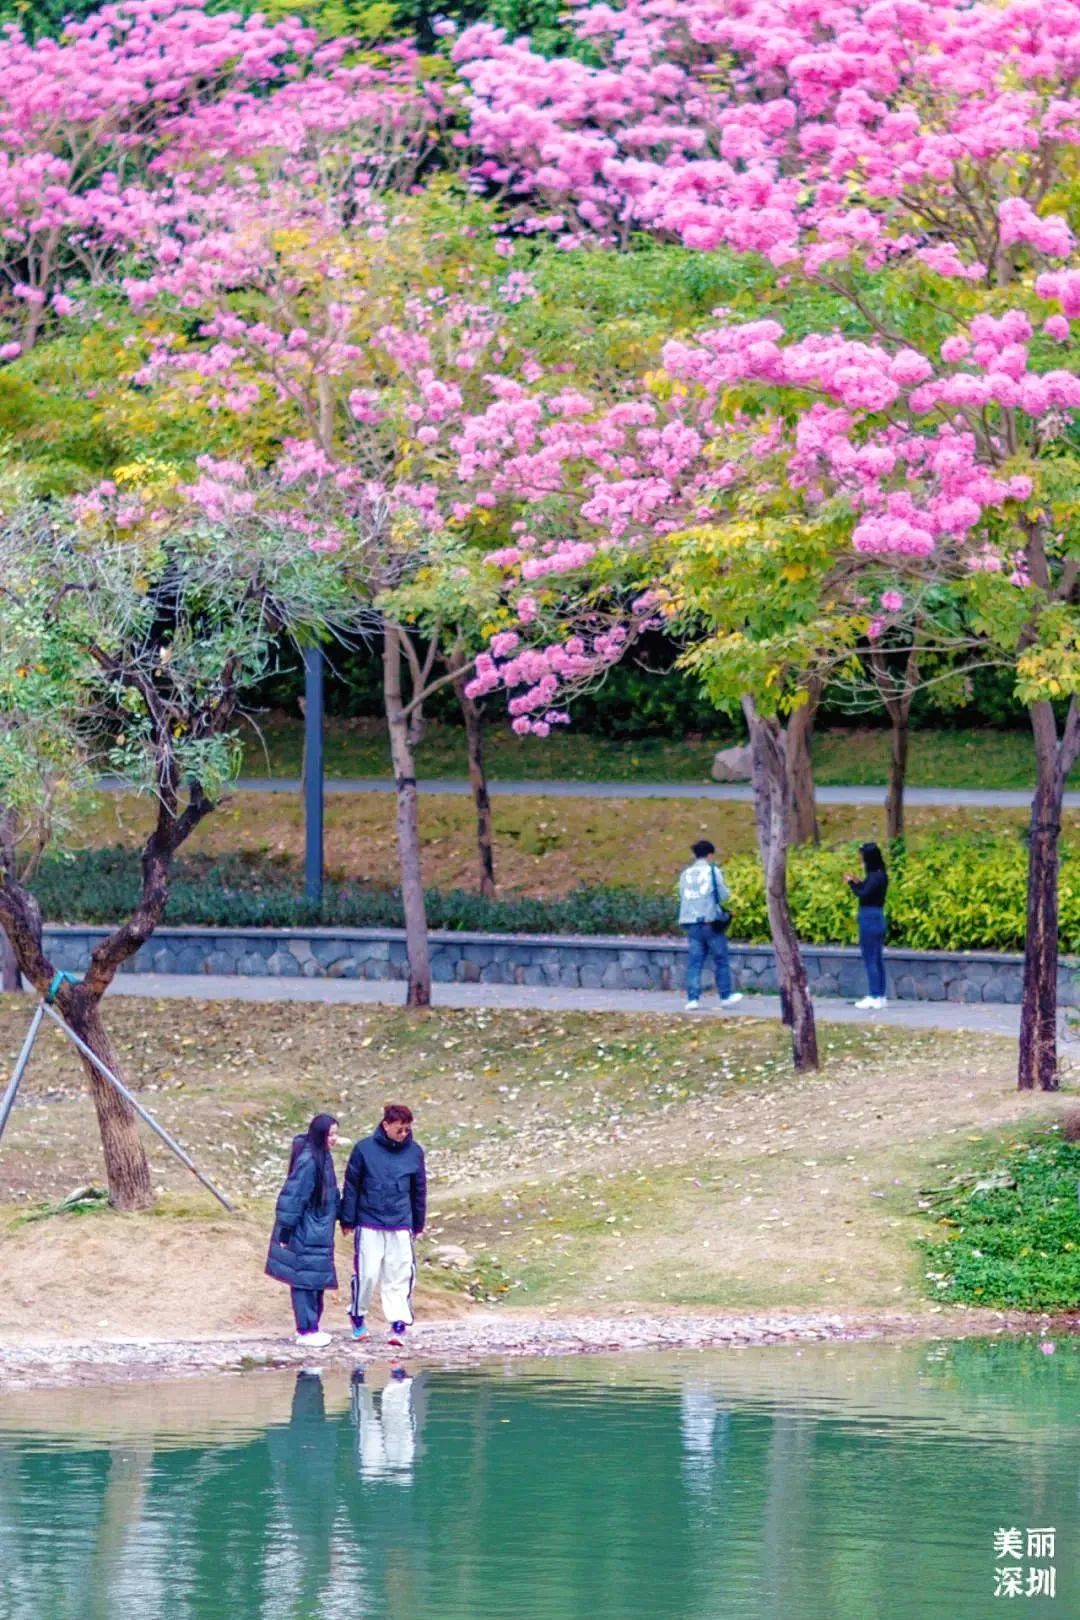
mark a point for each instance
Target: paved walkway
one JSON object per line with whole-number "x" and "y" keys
{"x": 980, "y": 1019}
{"x": 943, "y": 798}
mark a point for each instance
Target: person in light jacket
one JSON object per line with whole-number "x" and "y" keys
{"x": 301, "y": 1252}
{"x": 702, "y": 893}
{"x": 385, "y": 1204}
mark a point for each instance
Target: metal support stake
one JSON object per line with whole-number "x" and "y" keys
{"x": 313, "y": 774}
{"x": 159, "y": 1130}
{"x": 19, "y": 1070}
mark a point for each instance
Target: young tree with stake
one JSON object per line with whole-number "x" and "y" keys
{"x": 130, "y": 638}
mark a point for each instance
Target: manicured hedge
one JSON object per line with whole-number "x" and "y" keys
{"x": 947, "y": 893}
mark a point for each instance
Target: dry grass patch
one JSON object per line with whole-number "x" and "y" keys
{"x": 544, "y": 846}
{"x": 580, "y": 1159}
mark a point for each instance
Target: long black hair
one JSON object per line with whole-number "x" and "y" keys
{"x": 317, "y": 1133}
{"x": 873, "y": 859}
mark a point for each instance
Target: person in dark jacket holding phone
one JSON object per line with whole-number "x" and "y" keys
{"x": 871, "y": 890}
{"x": 385, "y": 1205}
{"x": 301, "y": 1250}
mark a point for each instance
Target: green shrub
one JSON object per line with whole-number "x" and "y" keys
{"x": 1010, "y": 1234}
{"x": 948, "y": 893}
{"x": 962, "y": 893}
{"x": 101, "y": 886}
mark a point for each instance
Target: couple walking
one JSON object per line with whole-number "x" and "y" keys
{"x": 383, "y": 1206}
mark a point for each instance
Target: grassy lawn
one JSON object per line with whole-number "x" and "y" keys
{"x": 543, "y": 847}
{"x": 977, "y": 758}
{"x": 579, "y": 1160}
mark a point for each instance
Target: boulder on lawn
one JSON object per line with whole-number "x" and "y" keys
{"x": 732, "y": 764}
{"x": 452, "y": 1255}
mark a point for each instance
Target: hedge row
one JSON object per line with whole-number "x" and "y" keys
{"x": 947, "y": 893}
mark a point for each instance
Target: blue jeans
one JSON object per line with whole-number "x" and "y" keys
{"x": 703, "y": 943}
{"x": 872, "y": 945}
{"x": 307, "y": 1305}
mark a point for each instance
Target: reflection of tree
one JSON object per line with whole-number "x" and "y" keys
{"x": 121, "y": 1510}
{"x": 12, "y": 1562}
{"x": 303, "y": 1459}
{"x": 704, "y": 1425}
{"x": 786, "y": 1532}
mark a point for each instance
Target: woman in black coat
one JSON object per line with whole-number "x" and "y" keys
{"x": 870, "y": 891}
{"x": 302, "y": 1242}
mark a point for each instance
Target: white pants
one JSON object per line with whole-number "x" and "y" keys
{"x": 386, "y": 1258}
{"x": 386, "y": 1433}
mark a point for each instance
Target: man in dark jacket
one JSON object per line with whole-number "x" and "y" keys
{"x": 384, "y": 1203}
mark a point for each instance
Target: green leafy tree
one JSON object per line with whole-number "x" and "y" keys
{"x": 129, "y": 640}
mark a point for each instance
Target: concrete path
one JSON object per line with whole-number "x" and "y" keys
{"x": 942, "y": 798}
{"x": 979, "y": 1019}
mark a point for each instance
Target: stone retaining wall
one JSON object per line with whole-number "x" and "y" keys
{"x": 585, "y": 962}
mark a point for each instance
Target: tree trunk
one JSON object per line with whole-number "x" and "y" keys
{"x": 804, "y": 823}
{"x": 897, "y": 692}
{"x": 126, "y": 1169}
{"x": 10, "y": 977}
{"x": 474, "y": 738}
{"x": 898, "y": 758}
{"x": 408, "y": 823}
{"x": 772, "y": 811}
{"x": 1054, "y": 759}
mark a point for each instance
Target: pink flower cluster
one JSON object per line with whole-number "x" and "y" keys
{"x": 800, "y": 132}
{"x": 131, "y": 132}
{"x": 544, "y": 672}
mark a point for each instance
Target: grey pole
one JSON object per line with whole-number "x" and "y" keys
{"x": 313, "y": 774}
{"x": 8, "y": 1102}
{"x": 159, "y": 1130}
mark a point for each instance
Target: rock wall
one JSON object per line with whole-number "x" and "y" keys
{"x": 608, "y": 962}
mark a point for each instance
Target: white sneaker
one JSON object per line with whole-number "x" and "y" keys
{"x": 880, "y": 1002}
{"x": 312, "y": 1341}
{"x": 692, "y": 1006}
{"x": 866, "y": 1003}
{"x": 729, "y": 1001}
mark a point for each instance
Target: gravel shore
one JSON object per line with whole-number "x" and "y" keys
{"x": 43, "y": 1363}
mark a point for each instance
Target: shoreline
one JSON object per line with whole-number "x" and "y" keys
{"x": 482, "y": 1336}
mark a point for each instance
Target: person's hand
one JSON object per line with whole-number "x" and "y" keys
{"x": 348, "y": 1230}
{"x": 849, "y": 877}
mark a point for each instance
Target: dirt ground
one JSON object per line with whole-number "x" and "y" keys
{"x": 581, "y": 1163}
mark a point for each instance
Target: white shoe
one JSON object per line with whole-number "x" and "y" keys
{"x": 692, "y": 1006}
{"x": 880, "y": 1002}
{"x": 729, "y": 1001}
{"x": 866, "y": 1003}
{"x": 312, "y": 1341}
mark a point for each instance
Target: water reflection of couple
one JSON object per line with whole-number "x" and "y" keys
{"x": 386, "y": 1423}
{"x": 386, "y": 1426}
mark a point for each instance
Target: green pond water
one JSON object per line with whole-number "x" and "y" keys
{"x": 845, "y": 1482}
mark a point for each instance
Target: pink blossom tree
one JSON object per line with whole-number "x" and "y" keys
{"x": 917, "y": 161}
{"x": 347, "y": 333}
